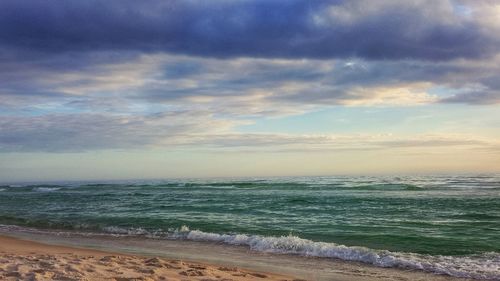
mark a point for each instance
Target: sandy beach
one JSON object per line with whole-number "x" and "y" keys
{"x": 27, "y": 260}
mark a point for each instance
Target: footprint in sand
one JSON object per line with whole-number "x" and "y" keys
{"x": 192, "y": 272}
{"x": 195, "y": 266}
{"x": 259, "y": 275}
{"x": 146, "y": 270}
{"x": 172, "y": 266}
{"x": 155, "y": 262}
{"x": 13, "y": 274}
{"x": 223, "y": 268}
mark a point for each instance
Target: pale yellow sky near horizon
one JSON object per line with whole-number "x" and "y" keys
{"x": 161, "y": 164}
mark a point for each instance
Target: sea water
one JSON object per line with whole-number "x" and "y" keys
{"x": 441, "y": 224}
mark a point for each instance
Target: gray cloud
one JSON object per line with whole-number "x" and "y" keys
{"x": 333, "y": 142}
{"x": 430, "y": 30}
{"x": 366, "y": 45}
{"x": 484, "y": 97}
{"x": 178, "y": 130}
{"x": 83, "y": 132}
{"x": 246, "y": 87}
{"x": 83, "y": 75}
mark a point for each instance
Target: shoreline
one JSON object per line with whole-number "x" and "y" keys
{"x": 29, "y": 260}
{"x": 211, "y": 256}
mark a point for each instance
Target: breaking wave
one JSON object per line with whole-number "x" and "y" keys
{"x": 483, "y": 266}
{"x": 46, "y": 189}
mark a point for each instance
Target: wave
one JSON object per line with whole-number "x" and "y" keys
{"x": 327, "y": 183}
{"x": 387, "y": 186}
{"x": 31, "y": 187}
{"x": 125, "y": 231}
{"x": 485, "y": 266}
{"x": 46, "y": 189}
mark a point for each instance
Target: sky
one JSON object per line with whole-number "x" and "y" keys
{"x": 170, "y": 89}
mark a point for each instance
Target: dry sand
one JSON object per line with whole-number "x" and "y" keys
{"x": 27, "y": 260}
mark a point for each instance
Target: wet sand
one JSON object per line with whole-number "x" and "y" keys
{"x": 27, "y": 260}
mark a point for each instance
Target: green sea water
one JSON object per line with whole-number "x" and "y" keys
{"x": 444, "y": 224}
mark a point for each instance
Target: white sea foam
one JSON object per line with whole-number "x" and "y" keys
{"x": 125, "y": 231}
{"x": 2, "y": 189}
{"x": 485, "y": 266}
{"x": 46, "y": 189}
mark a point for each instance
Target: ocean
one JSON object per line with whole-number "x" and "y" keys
{"x": 441, "y": 224}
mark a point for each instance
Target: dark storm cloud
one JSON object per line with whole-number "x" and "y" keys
{"x": 427, "y": 30}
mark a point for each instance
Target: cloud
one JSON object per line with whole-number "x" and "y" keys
{"x": 203, "y": 131}
{"x": 427, "y": 30}
{"x": 84, "y": 132}
{"x": 342, "y": 142}
{"x": 485, "y": 97}
{"x": 243, "y": 87}
{"x": 89, "y": 75}
{"x": 284, "y": 56}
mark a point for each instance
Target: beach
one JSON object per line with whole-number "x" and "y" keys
{"x": 28, "y": 260}
{"x": 120, "y": 259}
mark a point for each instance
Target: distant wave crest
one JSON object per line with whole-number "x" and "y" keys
{"x": 46, "y": 189}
